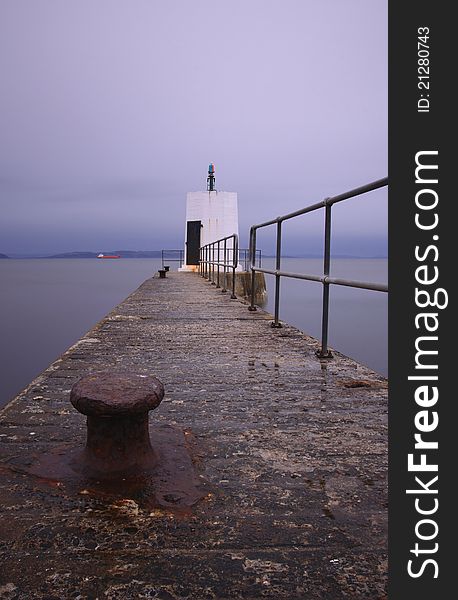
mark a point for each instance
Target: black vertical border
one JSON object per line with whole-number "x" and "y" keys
{"x": 409, "y": 133}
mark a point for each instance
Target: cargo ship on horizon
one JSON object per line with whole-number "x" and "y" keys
{"x": 108, "y": 256}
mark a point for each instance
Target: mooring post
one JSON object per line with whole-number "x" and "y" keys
{"x": 117, "y": 407}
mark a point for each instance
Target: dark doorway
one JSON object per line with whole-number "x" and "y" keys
{"x": 192, "y": 242}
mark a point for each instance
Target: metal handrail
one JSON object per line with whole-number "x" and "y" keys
{"x": 180, "y": 258}
{"x": 210, "y": 257}
{"x": 244, "y": 257}
{"x": 325, "y": 279}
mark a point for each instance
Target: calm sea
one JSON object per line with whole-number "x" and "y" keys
{"x": 46, "y": 305}
{"x": 358, "y": 319}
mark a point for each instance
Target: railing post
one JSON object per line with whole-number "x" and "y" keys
{"x": 224, "y": 290}
{"x": 213, "y": 263}
{"x": 324, "y": 352}
{"x": 209, "y": 262}
{"x": 218, "y": 258}
{"x": 235, "y": 257}
{"x": 276, "y": 323}
{"x": 252, "y": 249}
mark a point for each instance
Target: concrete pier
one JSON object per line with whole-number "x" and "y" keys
{"x": 272, "y": 479}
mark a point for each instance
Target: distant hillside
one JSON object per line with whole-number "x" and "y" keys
{"x": 3, "y": 255}
{"x": 74, "y": 255}
{"x": 121, "y": 253}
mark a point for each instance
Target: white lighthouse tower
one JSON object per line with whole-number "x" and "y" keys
{"x": 210, "y": 216}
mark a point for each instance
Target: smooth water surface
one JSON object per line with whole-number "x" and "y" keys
{"x": 358, "y": 319}
{"x": 48, "y": 304}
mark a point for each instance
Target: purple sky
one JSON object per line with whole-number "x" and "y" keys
{"x": 111, "y": 110}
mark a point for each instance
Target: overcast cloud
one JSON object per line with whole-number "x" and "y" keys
{"x": 111, "y": 110}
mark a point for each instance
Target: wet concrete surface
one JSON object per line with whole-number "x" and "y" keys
{"x": 272, "y": 465}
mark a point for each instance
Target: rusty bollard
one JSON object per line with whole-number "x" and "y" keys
{"x": 116, "y": 406}
{"x": 162, "y": 273}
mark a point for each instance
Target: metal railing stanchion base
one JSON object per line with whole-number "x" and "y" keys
{"x": 252, "y": 308}
{"x": 276, "y": 325}
{"x": 324, "y": 355}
